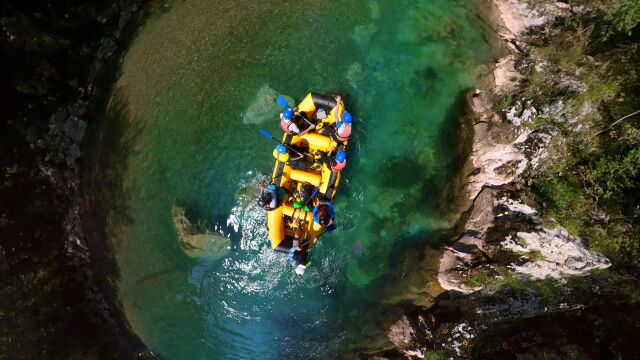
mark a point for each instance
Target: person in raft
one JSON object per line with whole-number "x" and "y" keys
{"x": 298, "y": 256}
{"x": 337, "y": 163}
{"x": 341, "y": 131}
{"x": 296, "y": 161}
{"x": 323, "y": 214}
{"x": 268, "y": 199}
{"x": 290, "y": 127}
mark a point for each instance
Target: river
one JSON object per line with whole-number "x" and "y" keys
{"x": 182, "y": 127}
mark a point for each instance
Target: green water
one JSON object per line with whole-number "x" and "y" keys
{"x": 182, "y": 129}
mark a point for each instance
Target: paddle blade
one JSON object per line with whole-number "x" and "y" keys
{"x": 331, "y": 227}
{"x": 281, "y": 101}
{"x": 265, "y": 134}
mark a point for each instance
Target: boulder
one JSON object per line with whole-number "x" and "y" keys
{"x": 195, "y": 239}
{"x": 264, "y": 106}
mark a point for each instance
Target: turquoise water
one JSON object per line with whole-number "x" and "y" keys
{"x": 196, "y": 86}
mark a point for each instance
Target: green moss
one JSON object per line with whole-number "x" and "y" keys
{"x": 522, "y": 241}
{"x": 567, "y": 52}
{"x": 599, "y": 88}
{"x": 565, "y": 201}
{"x": 538, "y": 122}
{"x": 534, "y": 255}
{"x": 435, "y": 355}
{"x": 504, "y": 102}
{"x": 478, "y": 278}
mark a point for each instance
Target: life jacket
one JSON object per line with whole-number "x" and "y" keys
{"x": 337, "y": 166}
{"x": 345, "y": 133}
{"x": 285, "y": 125}
{"x": 281, "y": 157}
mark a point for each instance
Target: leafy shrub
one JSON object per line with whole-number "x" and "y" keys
{"x": 610, "y": 175}
{"x": 624, "y": 15}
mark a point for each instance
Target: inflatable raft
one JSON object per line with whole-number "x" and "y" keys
{"x": 317, "y": 181}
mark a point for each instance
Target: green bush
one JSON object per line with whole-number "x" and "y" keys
{"x": 611, "y": 175}
{"x": 624, "y": 15}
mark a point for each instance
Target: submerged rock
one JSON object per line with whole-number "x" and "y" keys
{"x": 264, "y": 106}
{"x": 195, "y": 239}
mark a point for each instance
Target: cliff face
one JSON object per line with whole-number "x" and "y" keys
{"x": 524, "y": 128}
{"x": 536, "y": 251}
{"x": 57, "y": 61}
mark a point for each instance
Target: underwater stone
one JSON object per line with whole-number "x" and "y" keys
{"x": 264, "y": 106}
{"x": 195, "y": 239}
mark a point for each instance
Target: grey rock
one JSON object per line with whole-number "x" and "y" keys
{"x": 195, "y": 239}
{"x": 521, "y": 113}
{"x": 73, "y": 154}
{"x": 75, "y": 128}
{"x": 575, "y": 262}
{"x": 570, "y": 85}
{"x": 107, "y": 47}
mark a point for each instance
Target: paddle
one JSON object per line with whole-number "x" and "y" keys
{"x": 283, "y": 103}
{"x": 268, "y": 136}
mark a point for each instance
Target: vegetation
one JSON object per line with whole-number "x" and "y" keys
{"x": 545, "y": 289}
{"x": 624, "y": 16}
{"x": 592, "y": 184}
{"x": 435, "y": 355}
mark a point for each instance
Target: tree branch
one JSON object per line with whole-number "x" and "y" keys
{"x": 616, "y": 122}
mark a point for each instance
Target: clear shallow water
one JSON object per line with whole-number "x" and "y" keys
{"x": 182, "y": 102}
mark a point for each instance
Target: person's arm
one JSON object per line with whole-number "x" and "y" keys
{"x": 315, "y": 215}
{"x": 331, "y": 213}
{"x": 294, "y": 128}
{"x": 311, "y": 127}
{"x": 336, "y": 110}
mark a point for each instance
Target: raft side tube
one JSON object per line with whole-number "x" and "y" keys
{"x": 276, "y": 226}
{"x": 317, "y": 141}
{"x": 330, "y": 182}
{"x": 279, "y": 177}
{"x": 305, "y": 176}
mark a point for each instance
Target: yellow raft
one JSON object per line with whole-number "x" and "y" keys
{"x": 281, "y": 221}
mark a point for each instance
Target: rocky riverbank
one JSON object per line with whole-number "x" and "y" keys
{"x": 520, "y": 279}
{"x": 58, "y": 64}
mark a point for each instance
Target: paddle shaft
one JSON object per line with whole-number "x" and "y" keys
{"x": 289, "y": 147}
{"x": 315, "y": 192}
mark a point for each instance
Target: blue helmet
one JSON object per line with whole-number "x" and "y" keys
{"x": 346, "y": 118}
{"x": 288, "y": 114}
{"x": 341, "y": 156}
{"x": 281, "y": 149}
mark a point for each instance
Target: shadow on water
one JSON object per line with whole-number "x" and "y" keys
{"x": 104, "y": 199}
{"x": 414, "y": 256}
{"x": 454, "y": 140}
